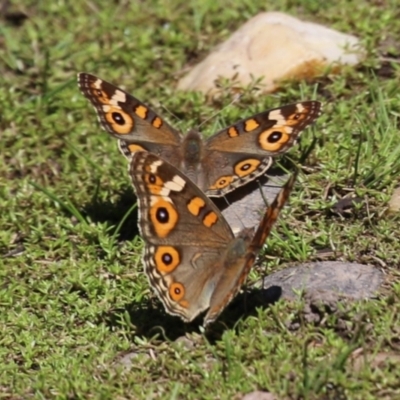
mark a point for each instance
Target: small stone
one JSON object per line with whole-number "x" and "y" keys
{"x": 259, "y": 395}
{"x": 275, "y": 47}
{"x": 185, "y": 342}
{"x": 359, "y": 360}
{"x": 129, "y": 359}
{"x": 332, "y": 279}
{"x": 394, "y": 203}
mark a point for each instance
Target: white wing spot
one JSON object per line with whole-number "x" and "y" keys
{"x": 118, "y": 97}
{"x": 164, "y": 193}
{"x": 155, "y": 199}
{"x": 276, "y": 115}
{"x": 154, "y": 166}
{"x": 176, "y": 184}
{"x": 97, "y": 83}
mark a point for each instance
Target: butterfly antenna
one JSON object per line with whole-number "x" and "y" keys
{"x": 170, "y": 112}
{"x": 308, "y": 151}
{"x": 236, "y": 98}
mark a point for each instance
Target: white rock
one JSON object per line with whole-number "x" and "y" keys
{"x": 277, "y": 47}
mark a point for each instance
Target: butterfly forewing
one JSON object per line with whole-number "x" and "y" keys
{"x": 185, "y": 235}
{"x": 246, "y": 148}
{"x": 268, "y": 133}
{"x": 136, "y": 125}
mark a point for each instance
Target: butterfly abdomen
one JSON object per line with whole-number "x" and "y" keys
{"x": 192, "y": 148}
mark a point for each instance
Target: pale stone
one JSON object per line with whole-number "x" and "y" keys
{"x": 326, "y": 279}
{"x": 275, "y": 47}
{"x": 259, "y": 395}
{"x": 394, "y": 203}
{"x": 245, "y": 207}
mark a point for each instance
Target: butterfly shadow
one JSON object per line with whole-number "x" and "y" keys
{"x": 150, "y": 320}
{"x": 244, "y": 305}
{"x": 112, "y": 213}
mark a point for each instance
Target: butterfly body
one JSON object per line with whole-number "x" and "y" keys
{"x": 191, "y": 256}
{"x": 228, "y": 159}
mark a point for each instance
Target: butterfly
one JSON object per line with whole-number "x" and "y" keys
{"x": 228, "y": 159}
{"x": 191, "y": 257}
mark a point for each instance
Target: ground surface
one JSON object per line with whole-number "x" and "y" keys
{"x": 74, "y": 300}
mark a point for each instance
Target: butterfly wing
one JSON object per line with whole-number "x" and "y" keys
{"x": 136, "y": 126}
{"x": 184, "y": 232}
{"x": 233, "y": 277}
{"x": 244, "y": 150}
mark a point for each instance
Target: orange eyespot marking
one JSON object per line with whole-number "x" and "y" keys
{"x": 141, "y": 111}
{"x": 195, "y": 205}
{"x": 250, "y": 125}
{"x": 233, "y": 132}
{"x": 133, "y": 148}
{"x": 176, "y": 291}
{"x": 119, "y": 120}
{"x": 100, "y": 95}
{"x": 166, "y": 258}
{"x": 210, "y": 219}
{"x": 246, "y": 167}
{"x": 273, "y": 139}
{"x": 154, "y": 183}
{"x": 164, "y": 217}
{"x": 157, "y": 122}
{"x": 295, "y": 118}
{"x": 222, "y": 182}
{"x": 184, "y": 303}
